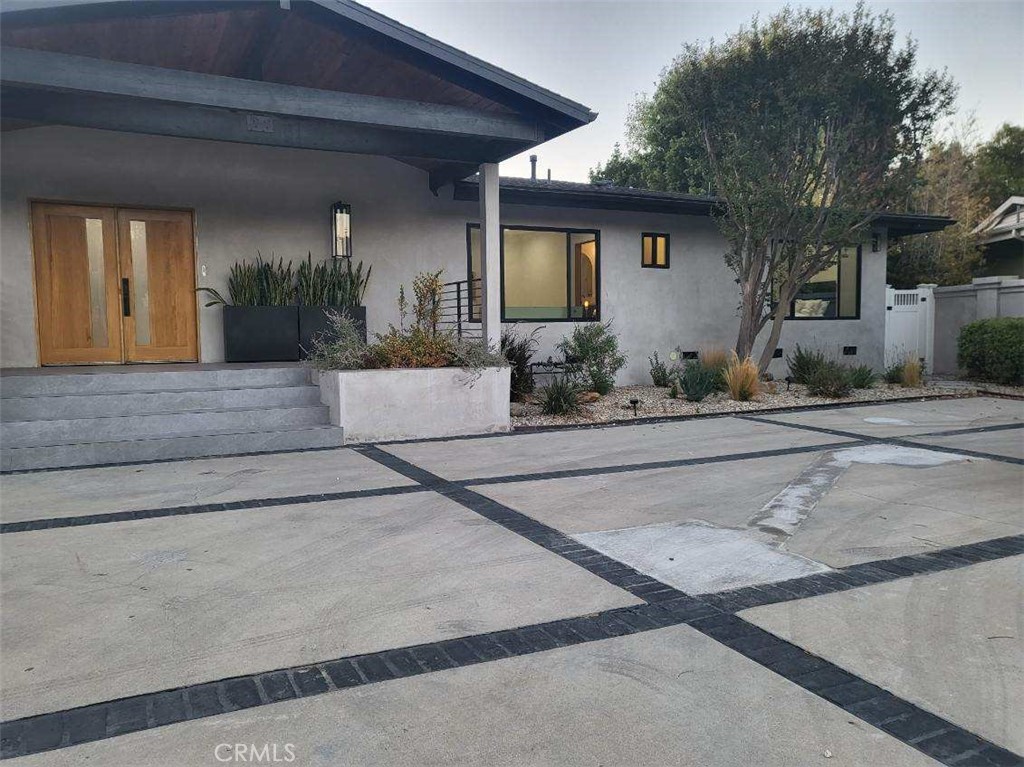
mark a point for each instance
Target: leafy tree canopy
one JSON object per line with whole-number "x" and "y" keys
{"x": 946, "y": 184}
{"x": 805, "y": 126}
{"x": 1001, "y": 165}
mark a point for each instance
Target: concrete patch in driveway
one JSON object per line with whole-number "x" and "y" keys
{"x": 700, "y": 558}
{"x": 783, "y": 514}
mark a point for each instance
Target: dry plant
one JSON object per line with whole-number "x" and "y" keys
{"x": 910, "y": 377}
{"x": 742, "y": 378}
{"x": 713, "y": 358}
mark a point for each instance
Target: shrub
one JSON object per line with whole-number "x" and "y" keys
{"x": 331, "y": 282}
{"x": 742, "y": 378}
{"x": 697, "y": 381}
{"x": 420, "y": 346}
{"x": 910, "y": 376}
{"x": 673, "y": 391}
{"x": 257, "y": 283}
{"x": 830, "y": 380}
{"x": 803, "y": 364}
{"x": 993, "y": 350}
{"x": 519, "y": 350}
{"x": 862, "y": 377}
{"x": 560, "y": 397}
{"x": 716, "y": 359}
{"x": 413, "y": 348}
{"x": 894, "y": 373}
{"x": 592, "y": 356}
{"x": 601, "y": 382}
{"x": 341, "y": 348}
{"x": 659, "y": 371}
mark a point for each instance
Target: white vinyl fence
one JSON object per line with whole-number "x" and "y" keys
{"x": 910, "y": 325}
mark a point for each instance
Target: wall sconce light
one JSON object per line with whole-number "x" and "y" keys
{"x": 341, "y": 225}
{"x": 874, "y": 242}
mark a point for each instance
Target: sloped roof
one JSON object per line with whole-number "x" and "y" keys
{"x": 1004, "y": 223}
{"x": 236, "y": 27}
{"x": 572, "y": 194}
{"x": 332, "y": 52}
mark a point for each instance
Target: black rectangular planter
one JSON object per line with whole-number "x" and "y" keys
{"x": 313, "y": 323}
{"x": 261, "y": 333}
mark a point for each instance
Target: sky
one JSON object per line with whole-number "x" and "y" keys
{"x": 602, "y": 54}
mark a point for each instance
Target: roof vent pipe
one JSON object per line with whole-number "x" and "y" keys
{"x": 549, "y": 174}
{"x": 533, "y": 167}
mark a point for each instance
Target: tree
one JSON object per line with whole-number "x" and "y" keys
{"x": 621, "y": 171}
{"x": 946, "y": 184}
{"x": 808, "y": 126}
{"x": 1001, "y": 165}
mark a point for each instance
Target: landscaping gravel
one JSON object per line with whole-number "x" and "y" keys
{"x": 654, "y": 402}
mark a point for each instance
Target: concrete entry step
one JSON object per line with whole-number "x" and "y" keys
{"x": 43, "y": 382}
{"x": 86, "y": 416}
{"x": 166, "y": 448}
{"x": 61, "y": 406}
{"x": 115, "y": 428}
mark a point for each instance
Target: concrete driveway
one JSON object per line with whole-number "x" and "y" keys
{"x": 835, "y": 586}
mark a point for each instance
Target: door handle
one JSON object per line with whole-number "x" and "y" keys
{"x": 126, "y": 301}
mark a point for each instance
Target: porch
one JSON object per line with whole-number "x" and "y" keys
{"x": 137, "y": 169}
{"x": 240, "y": 142}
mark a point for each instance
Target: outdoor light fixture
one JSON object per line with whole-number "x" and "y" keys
{"x": 341, "y": 219}
{"x": 874, "y": 242}
{"x": 634, "y": 402}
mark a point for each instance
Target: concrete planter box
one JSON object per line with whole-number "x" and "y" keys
{"x": 416, "y": 403}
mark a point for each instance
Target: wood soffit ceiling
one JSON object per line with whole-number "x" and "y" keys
{"x": 256, "y": 43}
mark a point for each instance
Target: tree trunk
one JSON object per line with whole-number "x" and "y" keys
{"x": 749, "y": 320}
{"x": 773, "y": 338}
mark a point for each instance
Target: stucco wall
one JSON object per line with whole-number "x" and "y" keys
{"x": 277, "y": 201}
{"x": 958, "y": 305}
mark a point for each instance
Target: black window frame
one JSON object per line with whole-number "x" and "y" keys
{"x": 790, "y": 315}
{"x": 654, "y": 250}
{"x": 595, "y": 315}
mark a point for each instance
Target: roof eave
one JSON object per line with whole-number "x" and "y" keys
{"x": 423, "y": 43}
{"x": 563, "y": 114}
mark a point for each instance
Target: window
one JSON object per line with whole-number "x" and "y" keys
{"x": 546, "y": 274}
{"x": 654, "y": 250}
{"x": 833, "y": 293}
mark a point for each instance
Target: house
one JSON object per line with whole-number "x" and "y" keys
{"x": 149, "y": 146}
{"x": 1001, "y": 237}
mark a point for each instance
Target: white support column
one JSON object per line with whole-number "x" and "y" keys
{"x": 926, "y": 324}
{"x": 490, "y": 255}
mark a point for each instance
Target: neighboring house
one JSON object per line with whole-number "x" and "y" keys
{"x": 1001, "y": 236}
{"x": 136, "y": 167}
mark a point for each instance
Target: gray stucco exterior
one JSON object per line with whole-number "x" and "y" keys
{"x": 276, "y": 201}
{"x": 958, "y": 305}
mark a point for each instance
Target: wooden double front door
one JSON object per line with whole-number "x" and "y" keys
{"x": 114, "y": 284}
